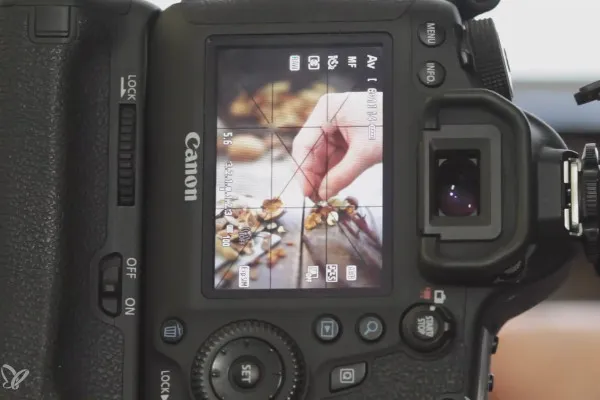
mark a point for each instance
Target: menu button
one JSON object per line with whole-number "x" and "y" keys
{"x": 431, "y": 34}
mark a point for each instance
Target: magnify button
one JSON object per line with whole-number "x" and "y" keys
{"x": 370, "y": 328}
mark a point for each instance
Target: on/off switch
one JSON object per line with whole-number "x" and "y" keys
{"x": 110, "y": 284}
{"x": 126, "y": 160}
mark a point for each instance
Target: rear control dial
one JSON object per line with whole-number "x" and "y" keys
{"x": 252, "y": 360}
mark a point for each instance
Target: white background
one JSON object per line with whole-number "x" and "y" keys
{"x": 544, "y": 39}
{"x": 558, "y": 39}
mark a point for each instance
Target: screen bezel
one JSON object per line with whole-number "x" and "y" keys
{"x": 216, "y": 43}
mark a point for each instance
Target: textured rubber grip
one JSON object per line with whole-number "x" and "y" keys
{"x": 399, "y": 377}
{"x": 54, "y": 114}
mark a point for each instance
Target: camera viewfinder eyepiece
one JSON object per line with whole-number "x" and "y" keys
{"x": 474, "y": 176}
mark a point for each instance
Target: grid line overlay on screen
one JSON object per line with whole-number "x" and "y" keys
{"x": 273, "y": 139}
{"x": 269, "y": 259}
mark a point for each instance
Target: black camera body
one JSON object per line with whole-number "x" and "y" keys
{"x": 71, "y": 104}
{"x": 447, "y": 283}
{"x": 180, "y": 132}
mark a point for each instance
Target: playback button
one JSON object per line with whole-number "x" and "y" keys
{"x": 327, "y": 329}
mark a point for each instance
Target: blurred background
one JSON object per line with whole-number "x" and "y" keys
{"x": 549, "y": 40}
{"x": 552, "y": 52}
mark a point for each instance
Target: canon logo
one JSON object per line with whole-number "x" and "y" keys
{"x": 192, "y": 143}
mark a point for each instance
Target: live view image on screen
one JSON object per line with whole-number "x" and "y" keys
{"x": 299, "y": 177}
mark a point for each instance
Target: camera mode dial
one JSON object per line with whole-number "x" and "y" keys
{"x": 488, "y": 58}
{"x": 252, "y": 360}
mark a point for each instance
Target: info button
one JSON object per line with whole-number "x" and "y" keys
{"x": 432, "y": 74}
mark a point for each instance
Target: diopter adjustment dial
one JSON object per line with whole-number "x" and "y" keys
{"x": 488, "y": 57}
{"x": 250, "y": 360}
{"x": 589, "y": 178}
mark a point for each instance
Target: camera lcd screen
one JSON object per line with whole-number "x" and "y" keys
{"x": 299, "y": 175}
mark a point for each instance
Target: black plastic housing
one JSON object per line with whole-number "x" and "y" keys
{"x": 60, "y": 99}
{"x": 73, "y": 181}
{"x": 181, "y": 102}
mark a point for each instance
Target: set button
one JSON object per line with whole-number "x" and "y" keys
{"x": 245, "y": 372}
{"x": 247, "y": 365}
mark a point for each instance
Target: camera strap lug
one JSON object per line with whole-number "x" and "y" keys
{"x": 588, "y": 93}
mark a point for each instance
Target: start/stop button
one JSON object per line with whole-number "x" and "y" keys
{"x": 426, "y": 328}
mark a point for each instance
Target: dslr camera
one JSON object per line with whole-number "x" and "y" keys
{"x": 263, "y": 200}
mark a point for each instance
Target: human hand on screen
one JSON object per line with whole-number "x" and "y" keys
{"x": 334, "y": 147}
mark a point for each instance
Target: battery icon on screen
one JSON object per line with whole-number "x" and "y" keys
{"x": 295, "y": 63}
